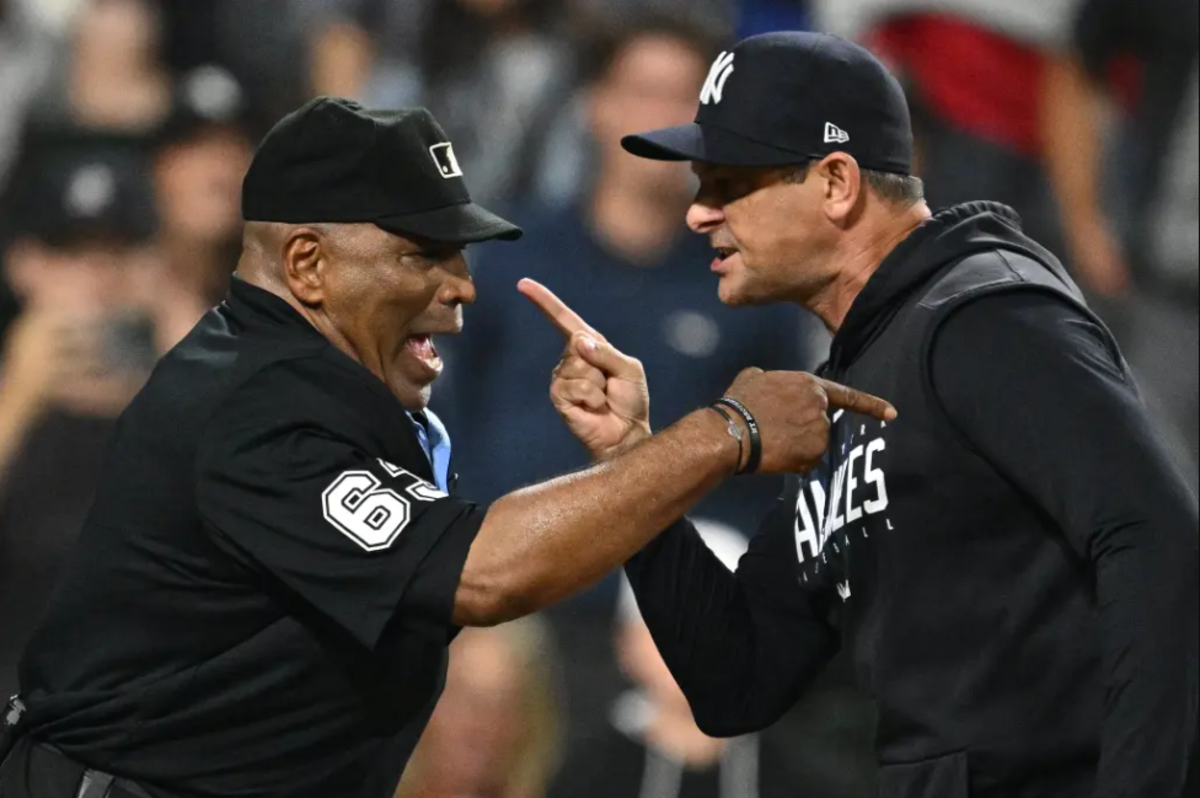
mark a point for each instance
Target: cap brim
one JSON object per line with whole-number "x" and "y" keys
{"x": 707, "y": 144}
{"x": 456, "y": 224}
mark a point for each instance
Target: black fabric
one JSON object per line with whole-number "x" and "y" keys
{"x": 39, "y": 771}
{"x": 40, "y": 520}
{"x": 744, "y": 647}
{"x": 786, "y": 98}
{"x": 334, "y": 161}
{"x": 1011, "y": 565}
{"x": 261, "y": 598}
{"x": 1122, "y": 508}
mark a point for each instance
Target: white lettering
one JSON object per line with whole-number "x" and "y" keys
{"x": 836, "y": 519}
{"x": 852, "y": 513}
{"x": 818, "y": 496}
{"x": 875, "y": 476}
{"x": 806, "y": 531}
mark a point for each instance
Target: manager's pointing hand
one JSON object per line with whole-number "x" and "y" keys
{"x": 601, "y": 394}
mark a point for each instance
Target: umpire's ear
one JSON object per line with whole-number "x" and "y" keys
{"x": 305, "y": 256}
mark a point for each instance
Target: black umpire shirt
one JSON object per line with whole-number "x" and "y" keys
{"x": 261, "y": 600}
{"x": 1011, "y": 565}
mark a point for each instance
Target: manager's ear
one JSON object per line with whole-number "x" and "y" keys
{"x": 842, "y": 180}
{"x": 305, "y": 257}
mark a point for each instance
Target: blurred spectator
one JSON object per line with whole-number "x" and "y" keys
{"x": 764, "y": 16}
{"x": 201, "y": 156}
{"x": 653, "y": 747}
{"x": 1133, "y": 210}
{"x": 490, "y": 70}
{"x": 26, "y": 52}
{"x": 53, "y": 16}
{"x": 717, "y": 17}
{"x": 496, "y": 730}
{"x": 74, "y": 358}
{"x": 111, "y": 79}
{"x": 261, "y": 42}
{"x": 623, "y": 258}
{"x": 974, "y": 71}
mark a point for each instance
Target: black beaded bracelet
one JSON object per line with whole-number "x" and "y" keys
{"x": 735, "y": 431}
{"x": 755, "y": 437}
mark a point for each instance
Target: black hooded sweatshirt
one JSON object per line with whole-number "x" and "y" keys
{"x": 1011, "y": 565}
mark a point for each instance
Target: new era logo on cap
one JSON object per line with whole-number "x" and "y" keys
{"x": 447, "y": 162}
{"x": 714, "y": 87}
{"x": 835, "y": 135}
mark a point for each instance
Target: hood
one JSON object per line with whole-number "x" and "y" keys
{"x": 947, "y": 238}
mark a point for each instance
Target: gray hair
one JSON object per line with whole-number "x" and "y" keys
{"x": 892, "y": 188}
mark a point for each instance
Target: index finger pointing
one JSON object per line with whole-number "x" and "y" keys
{"x": 865, "y": 404}
{"x": 567, "y": 321}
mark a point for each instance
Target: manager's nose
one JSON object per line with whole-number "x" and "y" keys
{"x": 704, "y": 219}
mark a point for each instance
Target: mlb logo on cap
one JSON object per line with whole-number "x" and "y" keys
{"x": 447, "y": 162}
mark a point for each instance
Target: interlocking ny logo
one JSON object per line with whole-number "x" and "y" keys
{"x": 835, "y": 135}
{"x": 447, "y": 163}
{"x": 714, "y": 87}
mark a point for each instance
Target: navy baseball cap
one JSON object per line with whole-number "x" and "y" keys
{"x": 335, "y": 161}
{"x": 789, "y": 98}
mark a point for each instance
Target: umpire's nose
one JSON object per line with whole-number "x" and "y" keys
{"x": 458, "y": 288}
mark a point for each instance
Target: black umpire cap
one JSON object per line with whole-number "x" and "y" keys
{"x": 789, "y": 98}
{"x": 334, "y": 161}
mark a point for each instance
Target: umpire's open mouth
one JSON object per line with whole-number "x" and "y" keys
{"x": 421, "y": 347}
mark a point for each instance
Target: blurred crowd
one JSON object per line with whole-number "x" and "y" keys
{"x": 126, "y": 127}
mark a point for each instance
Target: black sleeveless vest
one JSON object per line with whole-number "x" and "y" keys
{"x": 964, "y": 610}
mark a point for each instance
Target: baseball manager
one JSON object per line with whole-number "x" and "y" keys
{"x": 1012, "y": 565}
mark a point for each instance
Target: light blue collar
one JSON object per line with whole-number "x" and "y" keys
{"x": 435, "y": 441}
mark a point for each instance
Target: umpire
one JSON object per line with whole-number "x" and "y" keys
{"x": 264, "y": 591}
{"x": 1012, "y": 565}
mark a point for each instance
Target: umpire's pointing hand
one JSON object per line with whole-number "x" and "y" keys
{"x": 792, "y": 411}
{"x": 600, "y": 392}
